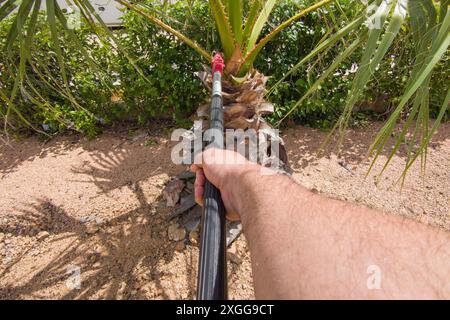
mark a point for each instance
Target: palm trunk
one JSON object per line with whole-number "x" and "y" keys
{"x": 244, "y": 108}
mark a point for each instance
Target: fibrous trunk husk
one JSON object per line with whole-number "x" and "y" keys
{"x": 244, "y": 108}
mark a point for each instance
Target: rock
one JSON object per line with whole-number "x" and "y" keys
{"x": 232, "y": 249}
{"x": 171, "y": 230}
{"x": 233, "y": 231}
{"x": 180, "y": 234}
{"x": 186, "y": 199}
{"x": 187, "y": 203}
{"x": 160, "y": 204}
{"x": 97, "y": 265}
{"x": 42, "y": 235}
{"x": 87, "y": 218}
{"x": 193, "y": 237}
{"x": 139, "y": 136}
{"x": 121, "y": 294}
{"x": 186, "y": 175}
{"x": 171, "y": 192}
{"x": 180, "y": 246}
{"x": 234, "y": 258}
{"x": 92, "y": 228}
{"x": 190, "y": 186}
{"x": 192, "y": 224}
{"x": 93, "y": 257}
{"x": 233, "y": 255}
{"x": 2, "y": 237}
{"x": 175, "y": 233}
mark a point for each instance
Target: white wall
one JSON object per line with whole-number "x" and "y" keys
{"x": 107, "y": 9}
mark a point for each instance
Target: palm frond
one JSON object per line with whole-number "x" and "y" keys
{"x": 223, "y": 27}
{"x": 252, "y": 50}
{"x": 143, "y": 12}
{"x": 255, "y": 7}
{"x": 235, "y": 12}
{"x": 321, "y": 47}
{"x": 260, "y": 21}
{"x": 431, "y": 34}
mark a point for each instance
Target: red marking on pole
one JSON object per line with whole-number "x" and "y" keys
{"x": 217, "y": 63}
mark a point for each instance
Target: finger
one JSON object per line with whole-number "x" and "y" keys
{"x": 195, "y": 167}
{"x": 233, "y": 216}
{"x": 199, "y": 186}
{"x": 200, "y": 178}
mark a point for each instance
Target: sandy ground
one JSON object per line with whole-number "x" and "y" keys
{"x": 84, "y": 219}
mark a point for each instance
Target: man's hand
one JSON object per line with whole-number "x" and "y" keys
{"x": 223, "y": 168}
{"x": 304, "y": 245}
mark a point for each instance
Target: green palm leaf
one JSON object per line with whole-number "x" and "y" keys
{"x": 432, "y": 35}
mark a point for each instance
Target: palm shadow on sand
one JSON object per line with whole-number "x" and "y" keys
{"x": 134, "y": 239}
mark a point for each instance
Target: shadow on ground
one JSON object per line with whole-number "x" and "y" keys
{"x": 124, "y": 252}
{"x": 130, "y": 255}
{"x": 304, "y": 144}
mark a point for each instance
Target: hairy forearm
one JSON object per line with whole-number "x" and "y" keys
{"x": 304, "y": 245}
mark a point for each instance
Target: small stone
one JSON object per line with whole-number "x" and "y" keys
{"x": 97, "y": 265}
{"x": 2, "y": 237}
{"x": 175, "y": 233}
{"x": 193, "y": 237}
{"x": 146, "y": 277}
{"x": 193, "y": 224}
{"x": 42, "y": 235}
{"x": 234, "y": 258}
{"x": 180, "y": 246}
{"x": 190, "y": 186}
{"x": 171, "y": 230}
{"x": 171, "y": 192}
{"x": 233, "y": 255}
{"x": 186, "y": 175}
{"x": 92, "y": 228}
{"x": 180, "y": 234}
{"x": 93, "y": 257}
{"x": 121, "y": 294}
{"x": 160, "y": 204}
{"x": 232, "y": 249}
{"x": 233, "y": 231}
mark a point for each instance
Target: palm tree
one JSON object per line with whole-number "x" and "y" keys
{"x": 240, "y": 24}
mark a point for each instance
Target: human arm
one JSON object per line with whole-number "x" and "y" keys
{"x": 304, "y": 245}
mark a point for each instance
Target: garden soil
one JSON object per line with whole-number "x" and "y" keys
{"x": 85, "y": 219}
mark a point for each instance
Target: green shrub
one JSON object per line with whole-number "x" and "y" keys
{"x": 172, "y": 89}
{"x": 51, "y": 110}
{"x": 114, "y": 90}
{"x": 279, "y": 55}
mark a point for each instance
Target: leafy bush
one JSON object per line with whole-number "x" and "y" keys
{"x": 112, "y": 89}
{"x": 278, "y": 57}
{"x": 171, "y": 90}
{"x": 43, "y": 100}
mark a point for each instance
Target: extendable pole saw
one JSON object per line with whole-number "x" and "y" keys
{"x": 212, "y": 271}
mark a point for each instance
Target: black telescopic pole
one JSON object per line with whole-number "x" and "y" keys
{"x": 212, "y": 271}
